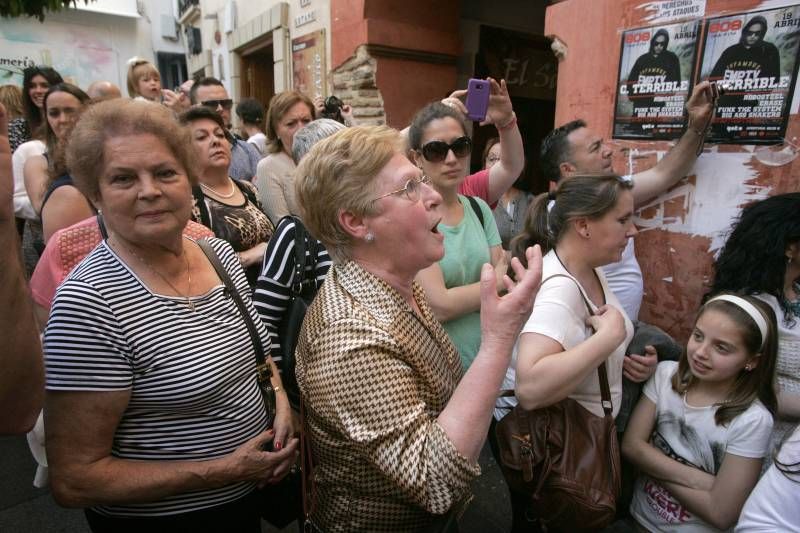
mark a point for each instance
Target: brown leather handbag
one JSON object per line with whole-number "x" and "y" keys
{"x": 566, "y": 458}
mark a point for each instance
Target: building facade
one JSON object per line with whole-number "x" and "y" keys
{"x": 94, "y": 42}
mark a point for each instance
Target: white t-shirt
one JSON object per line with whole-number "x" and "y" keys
{"x": 690, "y": 435}
{"x": 259, "y": 140}
{"x": 774, "y": 505}
{"x": 22, "y": 204}
{"x": 560, "y": 313}
{"x": 625, "y": 279}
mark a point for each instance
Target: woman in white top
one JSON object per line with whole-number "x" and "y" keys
{"x": 584, "y": 225}
{"x": 762, "y": 257}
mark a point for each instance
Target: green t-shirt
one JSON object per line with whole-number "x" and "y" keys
{"x": 466, "y": 249}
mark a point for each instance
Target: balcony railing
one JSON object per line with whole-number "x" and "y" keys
{"x": 188, "y": 11}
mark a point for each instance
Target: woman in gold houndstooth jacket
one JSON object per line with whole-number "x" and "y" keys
{"x": 395, "y": 428}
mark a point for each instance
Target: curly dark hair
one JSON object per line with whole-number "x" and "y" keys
{"x": 753, "y": 259}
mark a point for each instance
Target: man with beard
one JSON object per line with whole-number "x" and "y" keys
{"x": 656, "y": 67}
{"x": 752, "y": 57}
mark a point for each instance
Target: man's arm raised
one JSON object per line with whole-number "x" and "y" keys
{"x": 677, "y": 163}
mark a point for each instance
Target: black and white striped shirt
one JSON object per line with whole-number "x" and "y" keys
{"x": 191, "y": 374}
{"x": 273, "y": 289}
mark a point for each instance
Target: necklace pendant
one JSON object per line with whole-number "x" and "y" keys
{"x": 191, "y": 305}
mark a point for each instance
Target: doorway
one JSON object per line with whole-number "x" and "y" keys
{"x": 530, "y": 69}
{"x": 258, "y": 78}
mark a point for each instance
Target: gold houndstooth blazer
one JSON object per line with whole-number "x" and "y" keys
{"x": 375, "y": 375}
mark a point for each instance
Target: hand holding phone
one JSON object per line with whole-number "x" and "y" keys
{"x": 477, "y": 99}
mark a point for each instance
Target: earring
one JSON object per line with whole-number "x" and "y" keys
{"x": 369, "y": 237}
{"x": 748, "y": 367}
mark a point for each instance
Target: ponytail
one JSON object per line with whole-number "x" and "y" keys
{"x": 534, "y": 230}
{"x": 590, "y": 196}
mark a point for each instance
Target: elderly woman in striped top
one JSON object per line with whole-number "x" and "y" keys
{"x": 153, "y": 417}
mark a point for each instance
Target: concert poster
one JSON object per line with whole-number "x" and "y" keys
{"x": 754, "y": 58}
{"x": 655, "y": 80}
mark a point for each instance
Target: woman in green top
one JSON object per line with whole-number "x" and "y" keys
{"x": 441, "y": 148}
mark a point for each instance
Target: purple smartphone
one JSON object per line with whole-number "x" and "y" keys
{"x": 477, "y": 99}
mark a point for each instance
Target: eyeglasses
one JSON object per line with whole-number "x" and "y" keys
{"x": 411, "y": 189}
{"x": 214, "y": 104}
{"x": 436, "y": 151}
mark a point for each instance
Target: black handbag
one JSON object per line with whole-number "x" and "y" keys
{"x": 282, "y": 502}
{"x": 303, "y": 289}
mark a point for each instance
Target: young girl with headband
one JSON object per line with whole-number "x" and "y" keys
{"x": 703, "y": 425}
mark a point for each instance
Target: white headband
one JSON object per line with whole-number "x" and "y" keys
{"x": 748, "y": 308}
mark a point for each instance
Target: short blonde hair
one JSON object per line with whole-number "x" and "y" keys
{"x": 338, "y": 174}
{"x": 118, "y": 118}
{"x": 138, "y": 69}
{"x": 11, "y": 97}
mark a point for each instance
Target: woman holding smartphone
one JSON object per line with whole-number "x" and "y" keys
{"x": 441, "y": 148}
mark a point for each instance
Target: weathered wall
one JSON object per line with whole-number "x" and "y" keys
{"x": 683, "y": 228}
{"x": 413, "y": 46}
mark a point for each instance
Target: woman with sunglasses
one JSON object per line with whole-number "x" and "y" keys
{"x": 441, "y": 149}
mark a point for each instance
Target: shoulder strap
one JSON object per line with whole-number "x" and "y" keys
{"x": 302, "y": 242}
{"x": 602, "y": 374}
{"x": 102, "y": 225}
{"x": 476, "y": 207}
{"x": 263, "y": 368}
{"x": 299, "y": 256}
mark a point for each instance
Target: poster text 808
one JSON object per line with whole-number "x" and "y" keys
{"x": 637, "y": 37}
{"x": 728, "y": 25}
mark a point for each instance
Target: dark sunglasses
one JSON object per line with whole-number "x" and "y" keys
{"x": 436, "y": 151}
{"x": 213, "y": 104}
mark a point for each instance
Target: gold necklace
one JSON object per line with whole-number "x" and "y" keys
{"x": 142, "y": 260}
{"x": 219, "y": 194}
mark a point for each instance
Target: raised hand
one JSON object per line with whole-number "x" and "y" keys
{"x": 502, "y": 317}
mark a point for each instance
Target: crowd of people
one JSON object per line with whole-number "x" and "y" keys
{"x": 159, "y": 254}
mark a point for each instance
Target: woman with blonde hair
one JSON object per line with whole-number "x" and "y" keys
{"x": 11, "y": 97}
{"x": 288, "y": 112}
{"x": 395, "y": 427}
